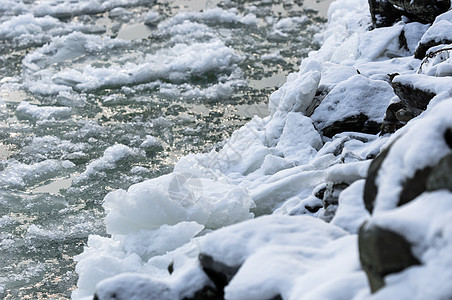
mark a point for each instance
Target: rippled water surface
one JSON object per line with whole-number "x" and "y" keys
{"x": 96, "y": 98}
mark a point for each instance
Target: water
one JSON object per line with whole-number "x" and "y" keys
{"x": 56, "y": 127}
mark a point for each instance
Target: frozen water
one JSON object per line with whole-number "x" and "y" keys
{"x": 97, "y": 95}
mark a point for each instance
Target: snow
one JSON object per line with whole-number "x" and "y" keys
{"x": 249, "y": 204}
{"x": 440, "y": 64}
{"x": 424, "y": 82}
{"x": 351, "y": 213}
{"x": 421, "y": 146}
{"x": 440, "y": 29}
{"x": 354, "y": 96}
{"x": 234, "y": 244}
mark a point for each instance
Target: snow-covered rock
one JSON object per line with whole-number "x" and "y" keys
{"x": 300, "y": 169}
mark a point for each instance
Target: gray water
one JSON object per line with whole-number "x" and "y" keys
{"x": 46, "y": 214}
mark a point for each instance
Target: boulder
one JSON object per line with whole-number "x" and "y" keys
{"x": 439, "y": 33}
{"x": 218, "y": 272}
{"x": 423, "y": 11}
{"x": 382, "y": 252}
{"x": 371, "y": 188}
{"x": 414, "y": 96}
{"x": 440, "y": 176}
{"x": 207, "y": 293}
{"x": 357, "y": 123}
{"x": 387, "y": 12}
{"x": 391, "y": 121}
{"x": 356, "y": 104}
{"x": 383, "y": 13}
{"x": 387, "y": 173}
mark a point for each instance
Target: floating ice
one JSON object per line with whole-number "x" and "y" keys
{"x": 112, "y": 156}
{"x": 19, "y": 175}
{"x": 177, "y": 64}
{"x": 32, "y": 112}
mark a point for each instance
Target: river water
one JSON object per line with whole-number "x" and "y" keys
{"x": 99, "y": 95}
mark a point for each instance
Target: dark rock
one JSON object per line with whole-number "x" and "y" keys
{"x": 219, "y": 273}
{"x": 386, "y": 12}
{"x": 422, "y": 48}
{"x": 358, "y": 123}
{"x": 313, "y": 208}
{"x": 382, "y": 252}
{"x": 404, "y": 115}
{"x": 207, "y": 293}
{"x": 332, "y": 192}
{"x": 414, "y": 98}
{"x": 320, "y": 193}
{"x": 330, "y": 199}
{"x": 370, "y": 187}
{"x": 441, "y": 175}
{"x": 171, "y": 268}
{"x": 383, "y": 13}
{"x": 414, "y": 186}
{"x": 390, "y": 121}
{"x": 329, "y": 213}
{"x": 423, "y": 11}
{"x": 429, "y": 178}
{"x": 448, "y": 137}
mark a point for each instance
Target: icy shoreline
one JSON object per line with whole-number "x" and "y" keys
{"x": 277, "y": 211}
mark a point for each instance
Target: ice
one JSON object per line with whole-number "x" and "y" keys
{"x": 142, "y": 287}
{"x": 177, "y": 64}
{"x": 272, "y": 56}
{"x": 151, "y": 142}
{"x": 33, "y": 112}
{"x": 26, "y": 29}
{"x": 53, "y": 147}
{"x": 174, "y": 198}
{"x": 216, "y": 15}
{"x": 113, "y": 155}
{"x": 299, "y": 140}
{"x": 214, "y": 202}
{"x": 104, "y": 258}
{"x": 18, "y": 175}
{"x": 298, "y": 92}
{"x": 152, "y": 18}
{"x": 149, "y": 243}
{"x": 67, "y": 8}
